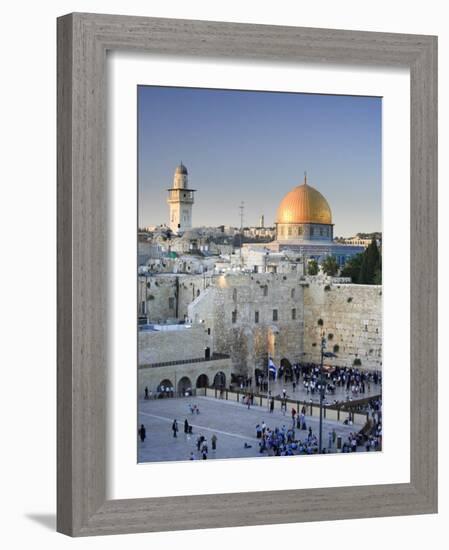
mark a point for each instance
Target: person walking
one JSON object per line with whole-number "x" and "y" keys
{"x": 214, "y": 442}
{"x": 175, "y": 428}
{"x": 142, "y": 433}
{"x": 147, "y": 395}
{"x": 186, "y": 426}
{"x": 271, "y": 404}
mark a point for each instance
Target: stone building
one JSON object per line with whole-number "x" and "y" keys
{"x": 164, "y": 298}
{"x": 251, "y": 316}
{"x": 180, "y": 201}
{"x": 179, "y": 358}
{"x": 304, "y": 225}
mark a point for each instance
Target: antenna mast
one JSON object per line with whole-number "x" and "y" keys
{"x": 242, "y": 209}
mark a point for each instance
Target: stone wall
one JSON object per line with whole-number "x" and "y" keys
{"x": 174, "y": 375}
{"x": 352, "y": 315}
{"x": 172, "y": 345}
{"x": 168, "y": 296}
{"x": 229, "y": 310}
{"x": 223, "y": 312}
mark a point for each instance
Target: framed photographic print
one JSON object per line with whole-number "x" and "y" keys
{"x": 246, "y": 274}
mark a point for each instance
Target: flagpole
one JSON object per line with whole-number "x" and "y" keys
{"x": 268, "y": 384}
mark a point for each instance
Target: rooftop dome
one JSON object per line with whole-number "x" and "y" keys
{"x": 181, "y": 169}
{"x": 304, "y": 204}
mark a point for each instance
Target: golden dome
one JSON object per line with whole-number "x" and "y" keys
{"x": 304, "y": 204}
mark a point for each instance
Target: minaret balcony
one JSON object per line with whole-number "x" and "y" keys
{"x": 181, "y": 195}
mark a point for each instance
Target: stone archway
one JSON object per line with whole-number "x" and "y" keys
{"x": 202, "y": 381}
{"x": 185, "y": 386}
{"x": 220, "y": 380}
{"x": 287, "y": 369}
{"x": 166, "y": 388}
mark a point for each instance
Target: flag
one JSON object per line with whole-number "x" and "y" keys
{"x": 272, "y": 367}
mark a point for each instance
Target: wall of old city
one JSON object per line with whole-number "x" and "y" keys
{"x": 252, "y": 315}
{"x": 352, "y": 322}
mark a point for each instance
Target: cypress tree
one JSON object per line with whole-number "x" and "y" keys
{"x": 370, "y": 265}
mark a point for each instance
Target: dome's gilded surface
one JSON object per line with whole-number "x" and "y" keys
{"x": 304, "y": 204}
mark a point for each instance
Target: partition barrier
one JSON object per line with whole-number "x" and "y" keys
{"x": 340, "y": 412}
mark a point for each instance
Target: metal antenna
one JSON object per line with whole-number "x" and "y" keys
{"x": 242, "y": 209}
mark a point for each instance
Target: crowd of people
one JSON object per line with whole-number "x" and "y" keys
{"x": 355, "y": 382}
{"x": 297, "y": 439}
{"x": 294, "y": 439}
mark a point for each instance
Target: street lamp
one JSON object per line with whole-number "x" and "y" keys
{"x": 322, "y": 389}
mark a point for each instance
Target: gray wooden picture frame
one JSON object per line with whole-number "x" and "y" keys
{"x": 83, "y": 40}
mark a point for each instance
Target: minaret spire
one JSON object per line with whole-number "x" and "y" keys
{"x": 305, "y": 177}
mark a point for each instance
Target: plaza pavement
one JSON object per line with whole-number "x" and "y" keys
{"x": 233, "y": 424}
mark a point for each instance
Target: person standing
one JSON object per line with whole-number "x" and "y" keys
{"x": 175, "y": 428}
{"x": 271, "y": 404}
{"x": 147, "y": 395}
{"x": 142, "y": 433}
{"x": 214, "y": 442}
{"x": 186, "y": 426}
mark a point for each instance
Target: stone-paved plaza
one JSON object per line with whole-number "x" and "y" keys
{"x": 232, "y": 423}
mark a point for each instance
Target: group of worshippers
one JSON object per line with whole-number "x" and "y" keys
{"x": 282, "y": 441}
{"x": 354, "y": 380}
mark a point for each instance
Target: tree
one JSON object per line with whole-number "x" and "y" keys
{"x": 371, "y": 264}
{"x": 352, "y": 268}
{"x": 312, "y": 267}
{"x": 330, "y": 266}
{"x": 378, "y": 272}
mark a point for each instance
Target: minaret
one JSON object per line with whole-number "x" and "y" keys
{"x": 180, "y": 201}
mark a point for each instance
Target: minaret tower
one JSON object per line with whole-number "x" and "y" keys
{"x": 180, "y": 201}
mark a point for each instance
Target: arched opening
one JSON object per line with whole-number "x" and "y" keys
{"x": 185, "y": 386}
{"x": 286, "y": 370}
{"x": 202, "y": 381}
{"x": 220, "y": 380}
{"x": 166, "y": 388}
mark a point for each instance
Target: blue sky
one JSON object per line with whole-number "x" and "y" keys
{"x": 254, "y": 147}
